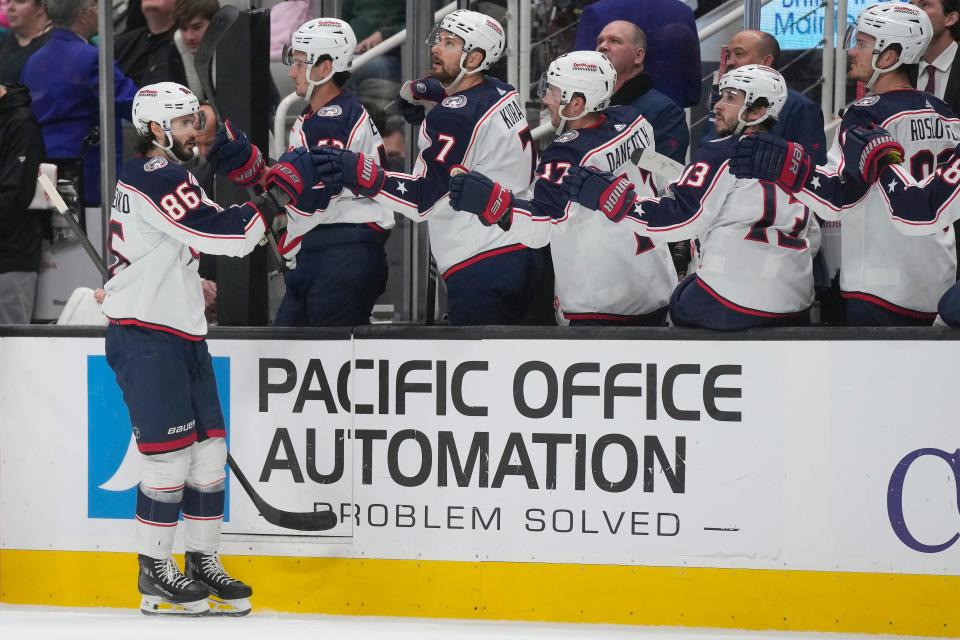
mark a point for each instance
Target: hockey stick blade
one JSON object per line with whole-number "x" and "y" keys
{"x": 648, "y": 159}
{"x": 304, "y": 521}
{"x": 203, "y": 62}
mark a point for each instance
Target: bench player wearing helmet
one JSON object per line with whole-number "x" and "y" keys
{"x": 603, "y": 275}
{"x": 756, "y": 267}
{"x": 885, "y": 279}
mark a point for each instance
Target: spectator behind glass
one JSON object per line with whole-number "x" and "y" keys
{"x": 30, "y": 28}
{"x": 285, "y": 18}
{"x": 147, "y": 55}
{"x": 192, "y": 18}
{"x": 21, "y": 150}
{"x": 63, "y": 78}
{"x": 625, "y": 44}
{"x": 800, "y": 120}
{"x": 377, "y": 82}
{"x": 4, "y": 21}
{"x": 673, "y": 57}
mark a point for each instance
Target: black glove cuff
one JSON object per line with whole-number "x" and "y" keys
{"x": 270, "y": 203}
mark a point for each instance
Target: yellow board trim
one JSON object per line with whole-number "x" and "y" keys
{"x": 924, "y": 605}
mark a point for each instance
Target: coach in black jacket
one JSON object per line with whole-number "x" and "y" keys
{"x": 21, "y": 150}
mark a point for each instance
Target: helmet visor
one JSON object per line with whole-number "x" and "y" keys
{"x": 447, "y": 40}
{"x": 850, "y": 38}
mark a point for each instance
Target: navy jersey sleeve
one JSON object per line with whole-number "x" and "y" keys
{"x": 826, "y": 191}
{"x": 535, "y": 221}
{"x": 448, "y": 133}
{"x": 926, "y": 207}
{"x": 694, "y": 199}
{"x": 804, "y": 124}
{"x": 171, "y": 201}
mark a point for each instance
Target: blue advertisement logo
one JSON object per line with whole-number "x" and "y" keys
{"x": 895, "y": 498}
{"x": 113, "y": 462}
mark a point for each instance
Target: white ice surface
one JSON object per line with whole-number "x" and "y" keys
{"x": 35, "y": 623}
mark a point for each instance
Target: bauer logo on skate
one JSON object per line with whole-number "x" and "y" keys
{"x": 113, "y": 462}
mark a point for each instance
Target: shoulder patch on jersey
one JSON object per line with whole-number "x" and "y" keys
{"x": 155, "y": 163}
{"x": 567, "y": 137}
{"x": 330, "y": 112}
{"x": 501, "y": 91}
{"x": 422, "y": 87}
{"x": 454, "y": 102}
{"x": 867, "y": 101}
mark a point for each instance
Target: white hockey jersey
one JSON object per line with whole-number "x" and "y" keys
{"x": 755, "y": 256}
{"x": 483, "y": 129}
{"x": 601, "y": 272}
{"x": 160, "y": 222}
{"x": 877, "y": 264}
{"x": 345, "y": 124}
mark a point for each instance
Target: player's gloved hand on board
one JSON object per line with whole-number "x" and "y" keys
{"x": 294, "y": 173}
{"x": 600, "y": 190}
{"x": 477, "y": 194}
{"x": 232, "y": 155}
{"x": 417, "y": 97}
{"x": 767, "y": 157}
{"x": 866, "y": 151}
{"x": 338, "y": 168}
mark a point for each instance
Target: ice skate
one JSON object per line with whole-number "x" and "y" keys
{"x": 228, "y": 596}
{"x": 166, "y": 591}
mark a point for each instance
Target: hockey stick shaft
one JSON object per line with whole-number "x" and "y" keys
{"x": 64, "y": 211}
{"x": 302, "y": 521}
{"x": 656, "y": 163}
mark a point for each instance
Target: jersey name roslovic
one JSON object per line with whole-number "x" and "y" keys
{"x": 877, "y": 263}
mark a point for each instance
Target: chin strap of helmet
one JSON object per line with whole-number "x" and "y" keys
{"x": 877, "y": 70}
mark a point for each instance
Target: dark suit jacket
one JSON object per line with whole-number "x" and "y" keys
{"x": 952, "y": 95}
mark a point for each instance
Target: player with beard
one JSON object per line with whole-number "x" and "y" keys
{"x": 885, "y": 279}
{"x": 756, "y": 268}
{"x": 469, "y": 122}
{"x": 159, "y": 223}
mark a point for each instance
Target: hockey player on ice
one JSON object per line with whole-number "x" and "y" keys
{"x": 756, "y": 267}
{"x": 603, "y": 275}
{"x": 160, "y": 221}
{"x": 334, "y": 241}
{"x": 474, "y": 122}
{"x": 885, "y": 278}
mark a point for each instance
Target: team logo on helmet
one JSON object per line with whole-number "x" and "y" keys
{"x": 330, "y": 112}
{"x": 454, "y": 102}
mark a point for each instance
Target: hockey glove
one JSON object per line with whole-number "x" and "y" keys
{"x": 294, "y": 173}
{"x": 477, "y": 194}
{"x": 866, "y": 151}
{"x": 417, "y": 97}
{"x": 233, "y": 155}
{"x": 767, "y": 157}
{"x": 357, "y": 171}
{"x": 600, "y": 190}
